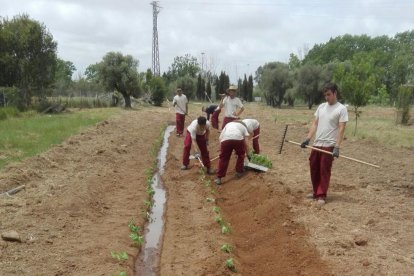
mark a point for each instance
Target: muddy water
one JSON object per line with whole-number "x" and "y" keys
{"x": 148, "y": 261}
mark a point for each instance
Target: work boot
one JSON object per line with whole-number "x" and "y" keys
{"x": 217, "y": 181}
{"x": 184, "y": 167}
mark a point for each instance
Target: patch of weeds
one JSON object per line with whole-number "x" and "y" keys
{"x": 226, "y": 248}
{"x": 121, "y": 256}
{"x": 149, "y": 203}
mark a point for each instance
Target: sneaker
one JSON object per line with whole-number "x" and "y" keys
{"x": 310, "y": 196}
{"x": 321, "y": 202}
{"x": 184, "y": 167}
{"x": 239, "y": 174}
{"x": 217, "y": 181}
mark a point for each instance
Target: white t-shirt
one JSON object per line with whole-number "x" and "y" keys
{"x": 329, "y": 117}
{"x": 252, "y": 124}
{"x": 181, "y": 102}
{"x": 231, "y": 105}
{"x": 233, "y": 131}
{"x": 194, "y": 130}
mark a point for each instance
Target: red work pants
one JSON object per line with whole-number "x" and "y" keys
{"x": 215, "y": 119}
{"x": 179, "y": 121}
{"x": 227, "y": 120}
{"x": 320, "y": 170}
{"x": 256, "y": 147}
{"x": 226, "y": 148}
{"x": 201, "y": 143}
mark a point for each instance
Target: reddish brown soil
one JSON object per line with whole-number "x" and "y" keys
{"x": 81, "y": 194}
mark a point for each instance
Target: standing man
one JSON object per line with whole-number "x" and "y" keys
{"x": 253, "y": 127}
{"x": 329, "y": 126}
{"x": 214, "y": 111}
{"x": 232, "y": 105}
{"x": 180, "y": 103}
{"x": 197, "y": 133}
{"x": 232, "y": 137}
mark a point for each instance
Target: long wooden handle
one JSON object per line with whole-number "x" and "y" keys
{"x": 330, "y": 153}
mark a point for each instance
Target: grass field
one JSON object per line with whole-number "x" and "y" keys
{"x": 32, "y": 133}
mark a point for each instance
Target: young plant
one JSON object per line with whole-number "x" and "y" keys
{"x": 225, "y": 229}
{"x": 226, "y": 248}
{"x": 218, "y": 219}
{"x": 216, "y": 209}
{"x": 230, "y": 264}
{"x": 136, "y": 238}
{"x": 149, "y": 203}
{"x": 121, "y": 256}
{"x": 210, "y": 199}
{"x": 133, "y": 227}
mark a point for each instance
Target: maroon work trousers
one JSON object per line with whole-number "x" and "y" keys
{"x": 179, "y": 122}
{"x": 215, "y": 119}
{"x": 256, "y": 146}
{"x": 226, "y": 148}
{"x": 202, "y": 145}
{"x": 320, "y": 170}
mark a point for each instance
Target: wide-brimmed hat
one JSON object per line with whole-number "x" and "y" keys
{"x": 232, "y": 87}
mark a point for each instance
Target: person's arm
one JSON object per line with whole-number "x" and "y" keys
{"x": 221, "y": 105}
{"x": 341, "y": 133}
{"x": 311, "y": 133}
{"x": 240, "y": 111}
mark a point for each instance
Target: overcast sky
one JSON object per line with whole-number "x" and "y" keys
{"x": 236, "y": 36}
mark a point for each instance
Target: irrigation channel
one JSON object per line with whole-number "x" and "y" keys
{"x": 148, "y": 260}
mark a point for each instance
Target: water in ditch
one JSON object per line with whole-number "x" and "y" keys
{"x": 149, "y": 258}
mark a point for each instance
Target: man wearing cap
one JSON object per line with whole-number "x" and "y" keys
{"x": 180, "y": 103}
{"x": 233, "y": 137}
{"x": 197, "y": 134}
{"x": 231, "y": 105}
{"x": 253, "y": 127}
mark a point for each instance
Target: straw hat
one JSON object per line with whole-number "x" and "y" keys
{"x": 232, "y": 87}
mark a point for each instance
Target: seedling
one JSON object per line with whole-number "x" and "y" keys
{"x": 218, "y": 219}
{"x": 133, "y": 227}
{"x": 226, "y": 248}
{"x": 216, "y": 209}
{"x": 149, "y": 203}
{"x": 230, "y": 264}
{"x": 121, "y": 256}
{"x": 210, "y": 199}
{"x": 123, "y": 273}
{"x": 137, "y": 239}
{"x": 207, "y": 183}
{"x": 225, "y": 229}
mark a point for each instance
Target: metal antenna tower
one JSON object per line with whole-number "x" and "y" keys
{"x": 155, "y": 51}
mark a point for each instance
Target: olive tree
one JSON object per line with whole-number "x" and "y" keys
{"x": 120, "y": 73}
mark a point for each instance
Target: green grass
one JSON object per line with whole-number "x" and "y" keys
{"x": 33, "y": 133}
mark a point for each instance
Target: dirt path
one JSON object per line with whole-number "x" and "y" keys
{"x": 81, "y": 194}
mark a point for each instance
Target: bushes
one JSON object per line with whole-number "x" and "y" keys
{"x": 8, "y": 112}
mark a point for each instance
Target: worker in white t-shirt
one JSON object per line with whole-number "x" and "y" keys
{"x": 253, "y": 127}
{"x": 180, "y": 103}
{"x": 232, "y": 137}
{"x": 329, "y": 126}
{"x": 231, "y": 105}
{"x": 197, "y": 134}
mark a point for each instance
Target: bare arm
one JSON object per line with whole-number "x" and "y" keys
{"x": 341, "y": 133}
{"x": 240, "y": 111}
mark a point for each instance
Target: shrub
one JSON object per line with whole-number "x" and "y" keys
{"x": 403, "y": 104}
